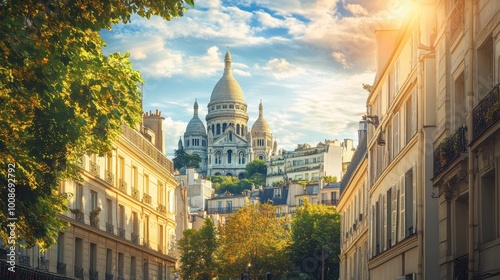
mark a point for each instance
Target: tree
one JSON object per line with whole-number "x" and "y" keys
{"x": 315, "y": 240}
{"x": 254, "y": 235}
{"x": 330, "y": 179}
{"x": 183, "y": 159}
{"x": 256, "y": 171}
{"x": 60, "y": 98}
{"x": 197, "y": 249}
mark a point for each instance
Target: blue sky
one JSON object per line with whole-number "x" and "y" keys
{"x": 306, "y": 61}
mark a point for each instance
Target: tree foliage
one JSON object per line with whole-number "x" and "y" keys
{"x": 254, "y": 235}
{"x": 61, "y": 97}
{"x": 197, "y": 249}
{"x": 316, "y": 236}
{"x": 330, "y": 179}
{"x": 183, "y": 159}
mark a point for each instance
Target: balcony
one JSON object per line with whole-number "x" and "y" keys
{"x": 330, "y": 202}
{"x": 449, "y": 149}
{"x": 145, "y": 243}
{"x": 110, "y": 228}
{"x": 121, "y": 232}
{"x": 93, "y": 275}
{"x": 146, "y": 198}
{"x": 94, "y": 220}
{"x": 78, "y": 215}
{"x": 161, "y": 208}
{"x": 135, "y": 194}
{"x": 43, "y": 263}
{"x": 109, "y": 177}
{"x": 61, "y": 268}
{"x": 461, "y": 268}
{"x": 223, "y": 210}
{"x": 94, "y": 168}
{"x": 78, "y": 272}
{"x": 24, "y": 260}
{"x": 457, "y": 19}
{"x": 134, "y": 237}
{"x": 122, "y": 185}
{"x": 487, "y": 112}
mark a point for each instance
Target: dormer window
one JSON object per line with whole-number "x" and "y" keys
{"x": 277, "y": 193}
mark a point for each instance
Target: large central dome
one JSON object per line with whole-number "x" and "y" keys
{"x": 227, "y": 88}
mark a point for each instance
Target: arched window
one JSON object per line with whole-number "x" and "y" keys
{"x": 218, "y": 128}
{"x": 230, "y": 136}
{"x": 238, "y": 129}
{"x": 261, "y": 157}
{"x": 217, "y": 158}
{"x": 242, "y": 130}
{"x": 241, "y": 158}
{"x": 229, "y": 156}
{"x": 224, "y": 126}
{"x": 213, "y": 129}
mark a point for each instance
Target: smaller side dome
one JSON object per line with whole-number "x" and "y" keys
{"x": 261, "y": 124}
{"x": 195, "y": 125}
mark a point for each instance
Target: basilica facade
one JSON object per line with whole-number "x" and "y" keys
{"x": 226, "y": 145}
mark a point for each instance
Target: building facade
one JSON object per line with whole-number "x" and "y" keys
{"x": 353, "y": 208}
{"x": 309, "y": 163}
{"x": 228, "y": 145}
{"x": 122, "y": 213}
{"x": 402, "y": 215}
{"x": 467, "y": 146}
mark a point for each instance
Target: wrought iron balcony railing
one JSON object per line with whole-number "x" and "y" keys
{"x": 135, "y": 194}
{"x": 449, "y": 149}
{"x": 108, "y": 276}
{"x": 93, "y": 275}
{"x": 110, "y": 177}
{"x": 121, "y": 232}
{"x": 110, "y": 228}
{"x": 457, "y": 19}
{"x": 94, "y": 221}
{"x": 94, "y": 168}
{"x": 122, "y": 185}
{"x": 161, "y": 208}
{"x": 79, "y": 216}
{"x": 134, "y": 237}
{"x": 461, "y": 268}
{"x": 43, "y": 263}
{"x": 24, "y": 260}
{"x": 79, "y": 272}
{"x": 487, "y": 112}
{"x": 223, "y": 210}
{"x": 61, "y": 268}
{"x": 329, "y": 202}
{"x": 146, "y": 198}
{"x": 145, "y": 243}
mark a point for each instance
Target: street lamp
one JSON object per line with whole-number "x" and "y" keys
{"x": 249, "y": 268}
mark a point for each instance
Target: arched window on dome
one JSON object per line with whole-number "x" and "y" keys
{"x": 238, "y": 129}
{"x": 213, "y": 129}
{"x": 242, "y": 130}
{"x": 229, "y": 156}
{"x": 217, "y": 158}
{"x": 241, "y": 158}
{"x": 224, "y": 126}
{"x": 218, "y": 128}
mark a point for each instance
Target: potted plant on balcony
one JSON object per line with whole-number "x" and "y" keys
{"x": 94, "y": 216}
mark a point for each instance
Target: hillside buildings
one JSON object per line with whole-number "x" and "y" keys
{"x": 226, "y": 145}
{"x": 310, "y": 163}
{"x": 122, "y": 219}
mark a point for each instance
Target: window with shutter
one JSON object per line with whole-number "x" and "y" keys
{"x": 402, "y": 200}
{"x": 395, "y": 133}
{"x": 384, "y": 222}
{"x": 414, "y": 113}
{"x": 394, "y": 213}
{"x": 414, "y": 196}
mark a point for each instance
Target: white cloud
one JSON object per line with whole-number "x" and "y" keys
{"x": 340, "y": 58}
{"x": 269, "y": 21}
{"x": 280, "y": 68}
{"x": 357, "y": 10}
{"x": 173, "y": 130}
